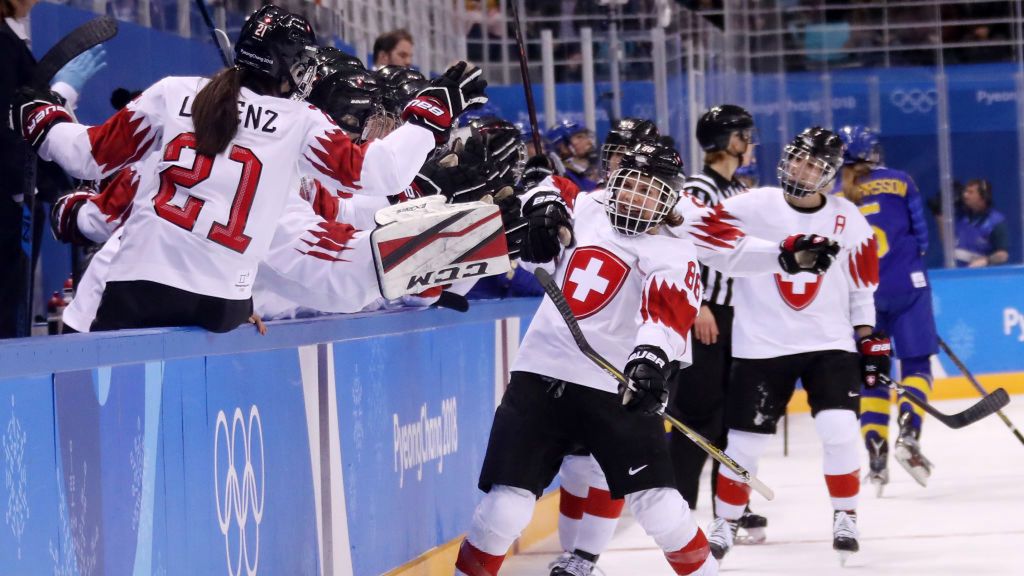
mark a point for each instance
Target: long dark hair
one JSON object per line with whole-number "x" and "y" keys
{"x": 215, "y": 110}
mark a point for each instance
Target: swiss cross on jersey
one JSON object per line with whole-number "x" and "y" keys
{"x": 593, "y": 277}
{"x": 798, "y": 290}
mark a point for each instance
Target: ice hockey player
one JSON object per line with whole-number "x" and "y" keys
{"x": 558, "y": 399}
{"x": 575, "y": 146}
{"x": 803, "y": 326}
{"x": 624, "y": 134}
{"x": 726, "y": 134}
{"x": 893, "y": 206}
{"x": 206, "y": 272}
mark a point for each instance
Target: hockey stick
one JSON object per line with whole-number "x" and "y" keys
{"x": 531, "y": 108}
{"x": 77, "y": 42}
{"x": 220, "y": 39}
{"x": 562, "y": 305}
{"x": 987, "y": 406}
{"x": 977, "y": 385}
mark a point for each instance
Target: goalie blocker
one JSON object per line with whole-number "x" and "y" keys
{"x": 426, "y": 243}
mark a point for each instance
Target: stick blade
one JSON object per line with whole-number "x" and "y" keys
{"x": 761, "y": 488}
{"x": 985, "y": 407}
{"x": 86, "y": 36}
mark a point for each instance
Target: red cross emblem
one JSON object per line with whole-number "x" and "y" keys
{"x": 592, "y": 279}
{"x": 798, "y": 290}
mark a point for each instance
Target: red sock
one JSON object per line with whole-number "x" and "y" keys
{"x": 732, "y": 492}
{"x": 691, "y": 557}
{"x": 570, "y": 505}
{"x": 473, "y": 562}
{"x": 600, "y": 503}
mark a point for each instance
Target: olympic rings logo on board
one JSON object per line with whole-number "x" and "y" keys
{"x": 239, "y": 488}
{"x": 914, "y": 101}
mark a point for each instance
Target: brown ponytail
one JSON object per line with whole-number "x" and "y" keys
{"x": 215, "y": 112}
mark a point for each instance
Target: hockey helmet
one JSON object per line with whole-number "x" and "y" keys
{"x": 716, "y": 126}
{"x": 810, "y": 162}
{"x": 644, "y": 188}
{"x": 276, "y": 43}
{"x": 625, "y": 133}
{"x": 561, "y": 137}
{"x": 492, "y": 141}
{"x": 862, "y": 145}
{"x": 344, "y": 89}
{"x": 397, "y": 86}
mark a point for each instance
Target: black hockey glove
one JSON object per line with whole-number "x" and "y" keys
{"x": 647, "y": 370}
{"x": 537, "y": 169}
{"x": 543, "y": 230}
{"x": 807, "y": 253}
{"x": 63, "y": 216}
{"x": 34, "y": 112}
{"x": 451, "y": 178}
{"x": 448, "y": 96}
{"x": 875, "y": 357}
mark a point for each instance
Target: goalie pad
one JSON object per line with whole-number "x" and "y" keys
{"x": 425, "y": 243}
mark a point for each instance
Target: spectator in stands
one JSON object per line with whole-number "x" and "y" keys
{"x": 982, "y": 238}
{"x": 393, "y": 48}
{"x": 16, "y": 67}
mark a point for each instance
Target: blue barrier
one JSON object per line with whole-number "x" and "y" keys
{"x": 345, "y": 445}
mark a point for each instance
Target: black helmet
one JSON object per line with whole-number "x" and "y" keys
{"x": 644, "y": 188}
{"x": 344, "y": 89}
{"x": 810, "y": 162}
{"x": 397, "y": 86}
{"x": 716, "y": 126}
{"x": 492, "y": 141}
{"x": 274, "y": 42}
{"x": 624, "y": 134}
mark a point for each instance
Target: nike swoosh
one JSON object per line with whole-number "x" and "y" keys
{"x": 632, "y": 471}
{"x": 853, "y": 394}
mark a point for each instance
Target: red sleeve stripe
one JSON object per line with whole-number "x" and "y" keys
{"x": 117, "y": 196}
{"x": 331, "y": 241}
{"x": 864, "y": 264}
{"x": 717, "y": 229}
{"x": 119, "y": 141}
{"x": 667, "y": 305}
{"x": 338, "y": 158}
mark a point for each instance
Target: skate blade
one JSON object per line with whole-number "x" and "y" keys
{"x": 844, "y": 555}
{"x": 751, "y": 536}
{"x": 879, "y": 488}
{"x": 919, "y": 473}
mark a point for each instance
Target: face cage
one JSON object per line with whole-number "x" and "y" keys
{"x": 380, "y": 124}
{"x": 797, "y": 172}
{"x": 607, "y": 151}
{"x": 637, "y": 202}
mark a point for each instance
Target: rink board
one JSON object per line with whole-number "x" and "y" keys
{"x": 344, "y": 445}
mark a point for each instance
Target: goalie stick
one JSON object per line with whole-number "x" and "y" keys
{"x": 78, "y": 41}
{"x": 987, "y": 406}
{"x": 562, "y": 305}
{"x": 977, "y": 385}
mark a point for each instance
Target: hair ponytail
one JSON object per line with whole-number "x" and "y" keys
{"x": 215, "y": 112}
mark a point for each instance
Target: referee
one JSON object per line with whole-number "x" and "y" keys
{"x": 726, "y": 133}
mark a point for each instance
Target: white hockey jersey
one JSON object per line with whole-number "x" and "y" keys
{"x": 624, "y": 291}
{"x": 204, "y": 223}
{"x": 782, "y": 314}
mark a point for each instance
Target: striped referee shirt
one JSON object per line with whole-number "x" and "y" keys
{"x": 711, "y": 188}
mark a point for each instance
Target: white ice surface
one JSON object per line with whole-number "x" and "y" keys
{"x": 969, "y": 520}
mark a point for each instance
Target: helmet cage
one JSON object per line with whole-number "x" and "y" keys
{"x": 802, "y": 174}
{"x": 637, "y": 202}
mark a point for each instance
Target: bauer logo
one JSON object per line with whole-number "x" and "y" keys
{"x": 1013, "y": 323}
{"x": 427, "y": 440}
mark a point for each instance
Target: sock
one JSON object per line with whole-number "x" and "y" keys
{"x": 841, "y": 462}
{"x": 597, "y": 527}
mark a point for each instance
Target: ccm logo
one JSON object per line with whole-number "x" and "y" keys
{"x": 448, "y": 274}
{"x": 427, "y": 106}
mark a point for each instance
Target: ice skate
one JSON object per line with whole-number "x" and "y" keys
{"x": 577, "y": 563}
{"x": 908, "y": 452}
{"x": 752, "y": 529}
{"x": 721, "y": 536}
{"x": 878, "y": 465}
{"x": 844, "y": 534}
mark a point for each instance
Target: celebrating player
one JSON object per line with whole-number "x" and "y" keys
{"x": 189, "y": 254}
{"x": 890, "y": 201}
{"x": 801, "y": 326}
{"x": 574, "y": 144}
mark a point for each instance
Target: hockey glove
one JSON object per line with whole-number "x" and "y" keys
{"x": 448, "y": 95}
{"x": 456, "y": 181}
{"x": 542, "y": 231}
{"x": 64, "y": 217}
{"x": 34, "y": 112}
{"x": 537, "y": 169}
{"x": 647, "y": 371}
{"x": 875, "y": 351}
{"x": 807, "y": 253}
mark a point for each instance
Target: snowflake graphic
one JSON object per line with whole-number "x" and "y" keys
{"x": 15, "y": 476}
{"x": 136, "y": 460}
{"x": 961, "y": 339}
{"x": 75, "y": 541}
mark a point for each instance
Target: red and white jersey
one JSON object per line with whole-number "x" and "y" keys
{"x": 623, "y": 290}
{"x": 722, "y": 240}
{"x": 202, "y": 224}
{"x": 782, "y": 314}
